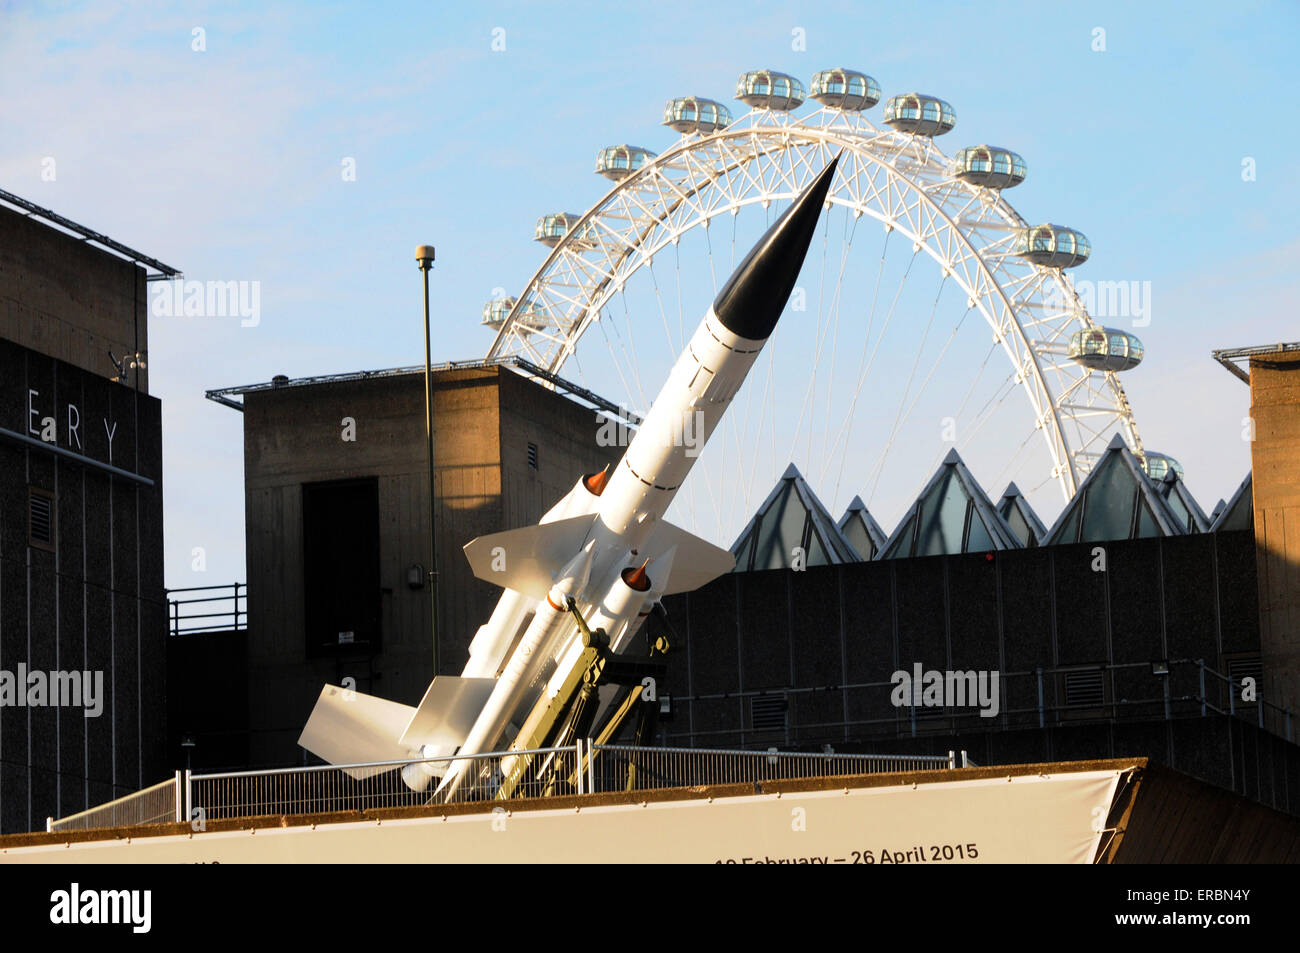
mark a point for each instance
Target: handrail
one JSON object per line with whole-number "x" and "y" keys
{"x": 184, "y": 621}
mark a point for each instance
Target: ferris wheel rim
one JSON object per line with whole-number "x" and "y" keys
{"x": 780, "y": 133}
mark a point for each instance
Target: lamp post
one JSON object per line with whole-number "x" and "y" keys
{"x": 424, "y": 257}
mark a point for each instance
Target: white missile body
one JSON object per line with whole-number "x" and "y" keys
{"x": 587, "y": 548}
{"x": 551, "y": 618}
{"x": 488, "y": 649}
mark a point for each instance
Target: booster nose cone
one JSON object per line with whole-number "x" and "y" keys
{"x": 751, "y": 301}
{"x": 595, "y": 482}
{"x": 636, "y": 578}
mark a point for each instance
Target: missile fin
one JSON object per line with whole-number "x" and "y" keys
{"x": 347, "y": 727}
{"x": 696, "y": 561}
{"x": 447, "y": 712}
{"x": 527, "y": 559}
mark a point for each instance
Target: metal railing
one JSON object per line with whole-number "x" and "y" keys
{"x": 334, "y": 788}
{"x": 159, "y": 804}
{"x": 581, "y": 768}
{"x": 228, "y": 603}
{"x": 629, "y": 768}
{"x": 1033, "y": 698}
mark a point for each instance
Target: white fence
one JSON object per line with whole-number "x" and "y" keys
{"x": 159, "y": 804}
{"x": 582, "y": 768}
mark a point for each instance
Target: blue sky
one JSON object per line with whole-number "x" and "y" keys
{"x": 226, "y": 164}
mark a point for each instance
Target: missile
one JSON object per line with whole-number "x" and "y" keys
{"x": 551, "y": 617}
{"x": 628, "y": 518}
{"x": 604, "y": 550}
{"x": 489, "y": 645}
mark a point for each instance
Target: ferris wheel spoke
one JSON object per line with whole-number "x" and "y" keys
{"x": 834, "y": 322}
{"x": 907, "y": 390}
{"x": 613, "y": 358}
{"x": 999, "y": 396}
{"x": 935, "y": 366}
{"x": 677, "y": 271}
{"x": 961, "y": 409}
{"x": 866, "y": 340}
{"x": 644, "y": 406}
{"x": 668, "y": 334}
{"x": 1011, "y": 463}
{"x": 839, "y": 476}
{"x": 827, "y": 318}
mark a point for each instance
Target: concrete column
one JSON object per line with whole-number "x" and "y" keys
{"x": 1275, "y": 464}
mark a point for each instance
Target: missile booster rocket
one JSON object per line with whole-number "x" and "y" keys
{"x": 604, "y": 551}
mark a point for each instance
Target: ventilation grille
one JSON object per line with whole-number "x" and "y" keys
{"x": 532, "y": 455}
{"x": 1085, "y": 689}
{"x": 1250, "y": 666}
{"x": 768, "y": 712}
{"x": 40, "y": 519}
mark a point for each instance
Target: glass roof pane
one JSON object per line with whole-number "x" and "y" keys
{"x": 855, "y": 531}
{"x": 943, "y": 518}
{"x": 1147, "y": 526}
{"x": 1181, "y": 512}
{"x": 1242, "y": 513}
{"x": 816, "y": 551}
{"x": 980, "y": 539}
{"x": 902, "y": 545}
{"x": 1108, "y": 509}
{"x": 1069, "y": 531}
{"x": 785, "y": 524}
{"x": 1019, "y": 526}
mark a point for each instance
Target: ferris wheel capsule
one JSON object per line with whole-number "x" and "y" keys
{"x": 1157, "y": 465}
{"x": 989, "y": 166}
{"x": 768, "y": 89}
{"x": 844, "y": 89}
{"x": 1054, "y": 246}
{"x": 1106, "y": 349}
{"x": 618, "y": 162}
{"x": 552, "y": 228}
{"x": 695, "y": 114}
{"x": 497, "y": 310}
{"x": 919, "y": 114}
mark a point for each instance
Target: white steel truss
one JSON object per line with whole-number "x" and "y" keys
{"x": 901, "y": 180}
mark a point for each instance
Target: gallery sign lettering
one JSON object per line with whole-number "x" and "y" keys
{"x": 78, "y": 435}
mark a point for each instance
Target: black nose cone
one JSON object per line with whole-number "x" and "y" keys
{"x": 751, "y": 301}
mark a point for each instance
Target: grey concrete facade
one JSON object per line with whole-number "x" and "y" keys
{"x": 90, "y": 601}
{"x": 62, "y": 297}
{"x": 296, "y": 436}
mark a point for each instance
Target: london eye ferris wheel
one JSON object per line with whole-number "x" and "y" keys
{"x": 930, "y": 314}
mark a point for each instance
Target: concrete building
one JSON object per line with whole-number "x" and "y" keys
{"x": 337, "y": 510}
{"x": 1135, "y": 625}
{"x": 1275, "y": 455}
{"x": 82, "y": 605}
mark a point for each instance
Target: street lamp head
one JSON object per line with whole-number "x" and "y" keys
{"x": 424, "y": 255}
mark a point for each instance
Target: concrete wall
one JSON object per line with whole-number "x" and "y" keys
{"x": 483, "y": 422}
{"x": 70, "y": 300}
{"x": 96, "y": 602}
{"x": 827, "y": 640}
{"x": 1275, "y": 463}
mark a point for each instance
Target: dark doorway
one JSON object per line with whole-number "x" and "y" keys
{"x": 340, "y": 532}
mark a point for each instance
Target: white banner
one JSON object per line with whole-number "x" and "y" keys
{"x": 1013, "y": 819}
